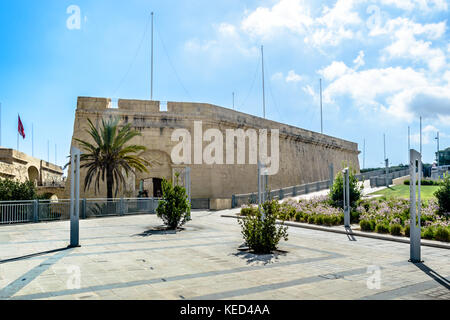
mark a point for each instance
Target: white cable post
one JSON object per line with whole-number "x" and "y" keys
{"x": 75, "y": 198}
{"x": 151, "y": 90}
{"x": 415, "y": 207}
{"x": 346, "y": 194}
{"x": 262, "y": 184}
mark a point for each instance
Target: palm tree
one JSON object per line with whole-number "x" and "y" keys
{"x": 108, "y": 156}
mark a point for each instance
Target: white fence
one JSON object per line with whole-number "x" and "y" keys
{"x": 53, "y": 210}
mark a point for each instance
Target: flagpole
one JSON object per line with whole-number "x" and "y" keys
{"x": 0, "y": 124}
{"x": 32, "y": 139}
{"x": 18, "y": 117}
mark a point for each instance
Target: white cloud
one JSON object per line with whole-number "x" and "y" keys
{"x": 227, "y": 41}
{"x": 405, "y": 43}
{"x": 429, "y": 134}
{"x": 277, "y": 76}
{"x": 424, "y": 5}
{"x": 292, "y": 15}
{"x": 293, "y": 77}
{"x": 335, "y": 25}
{"x": 310, "y": 91}
{"x": 403, "y": 93}
{"x": 335, "y": 70}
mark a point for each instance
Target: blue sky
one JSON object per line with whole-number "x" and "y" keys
{"x": 383, "y": 64}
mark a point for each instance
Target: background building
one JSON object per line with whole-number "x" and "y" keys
{"x": 19, "y": 166}
{"x": 444, "y": 157}
{"x": 305, "y": 156}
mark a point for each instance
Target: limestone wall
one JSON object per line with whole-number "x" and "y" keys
{"x": 22, "y": 167}
{"x": 304, "y": 155}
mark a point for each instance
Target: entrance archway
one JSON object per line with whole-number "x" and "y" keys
{"x": 33, "y": 175}
{"x": 161, "y": 168}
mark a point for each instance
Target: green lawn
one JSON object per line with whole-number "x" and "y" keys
{"x": 402, "y": 192}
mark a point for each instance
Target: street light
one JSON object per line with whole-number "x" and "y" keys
{"x": 437, "y": 154}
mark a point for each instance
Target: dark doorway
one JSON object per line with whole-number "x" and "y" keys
{"x": 157, "y": 188}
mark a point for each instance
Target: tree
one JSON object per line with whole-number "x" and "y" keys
{"x": 443, "y": 196}
{"x": 337, "y": 190}
{"x": 108, "y": 156}
{"x": 174, "y": 209}
{"x": 11, "y": 190}
{"x": 262, "y": 235}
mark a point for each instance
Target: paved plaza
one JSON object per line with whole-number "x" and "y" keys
{"x": 128, "y": 258}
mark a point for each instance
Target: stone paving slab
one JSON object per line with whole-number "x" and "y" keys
{"x": 121, "y": 259}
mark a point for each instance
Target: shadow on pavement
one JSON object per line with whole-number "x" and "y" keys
{"x": 158, "y": 231}
{"x": 434, "y": 275}
{"x": 350, "y": 235}
{"x": 246, "y": 254}
{"x": 34, "y": 255}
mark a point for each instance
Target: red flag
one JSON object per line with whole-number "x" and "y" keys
{"x": 21, "y": 129}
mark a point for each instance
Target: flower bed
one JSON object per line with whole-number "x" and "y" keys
{"x": 392, "y": 216}
{"x": 375, "y": 215}
{"x": 315, "y": 211}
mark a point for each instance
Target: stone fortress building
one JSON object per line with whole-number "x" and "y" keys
{"x": 304, "y": 156}
{"x": 19, "y": 166}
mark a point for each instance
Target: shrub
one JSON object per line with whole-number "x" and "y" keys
{"x": 263, "y": 235}
{"x": 298, "y": 217}
{"x": 381, "y": 228}
{"x": 396, "y": 229}
{"x": 319, "y": 220}
{"x": 365, "y": 225}
{"x": 442, "y": 234}
{"x": 354, "y": 216}
{"x": 443, "y": 195}
{"x": 247, "y": 211}
{"x": 11, "y": 190}
{"x": 424, "y": 183}
{"x": 287, "y": 212}
{"x": 174, "y": 209}
{"x": 337, "y": 190}
{"x": 328, "y": 220}
{"x": 428, "y": 233}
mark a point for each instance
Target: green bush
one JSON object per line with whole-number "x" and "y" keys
{"x": 396, "y": 229}
{"x": 174, "y": 209}
{"x": 443, "y": 195}
{"x": 424, "y": 183}
{"x": 11, "y": 190}
{"x": 263, "y": 235}
{"x": 428, "y": 233}
{"x": 442, "y": 234}
{"x": 328, "y": 220}
{"x": 298, "y": 217}
{"x": 365, "y": 225}
{"x": 354, "y": 216}
{"x": 337, "y": 190}
{"x": 247, "y": 211}
{"x": 319, "y": 220}
{"x": 381, "y": 228}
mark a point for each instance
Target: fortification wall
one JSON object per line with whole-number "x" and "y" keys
{"x": 305, "y": 156}
{"x": 22, "y": 167}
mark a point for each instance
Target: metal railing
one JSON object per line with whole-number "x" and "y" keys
{"x": 280, "y": 194}
{"x": 14, "y": 212}
{"x": 380, "y": 180}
